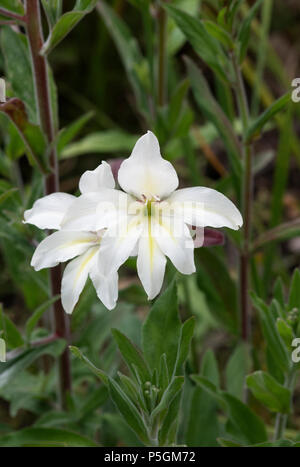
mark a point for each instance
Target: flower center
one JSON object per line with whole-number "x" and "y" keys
{"x": 150, "y": 204}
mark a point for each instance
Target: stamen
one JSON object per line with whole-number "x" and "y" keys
{"x": 144, "y": 198}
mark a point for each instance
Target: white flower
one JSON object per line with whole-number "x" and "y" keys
{"x": 83, "y": 245}
{"x": 150, "y": 218}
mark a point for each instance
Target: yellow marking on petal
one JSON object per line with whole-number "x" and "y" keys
{"x": 151, "y": 244}
{"x": 80, "y": 241}
{"x": 123, "y": 234}
{"x": 92, "y": 251}
{"x": 168, "y": 230}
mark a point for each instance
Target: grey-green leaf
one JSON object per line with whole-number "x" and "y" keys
{"x": 202, "y": 41}
{"x": 109, "y": 141}
{"x": 18, "y": 68}
{"x": 131, "y": 355}
{"x": 161, "y": 330}
{"x": 99, "y": 373}
{"x": 269, "y": 392}
{"x": 257, "y": 125}
{"x": 22, "y": 361}
{"x": 47, "y": 437}
{"x": 128, "y": 410}
{"x": 249, "y": 426}
{"x": 66, "y": 23}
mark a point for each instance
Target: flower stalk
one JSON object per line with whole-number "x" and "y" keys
{"x": 13, "y": 16}
{"x": 245, "y": 254}
{"x": 41, "y": 82}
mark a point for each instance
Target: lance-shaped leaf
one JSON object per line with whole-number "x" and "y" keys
{"x": 214, "y": 113}
{"x": 256, "y": 127}
{"x": 132, "y": 356}
{"x": 244, "y": 32}
{"x": 168, "y": 429}
{"x": 67, "y": 134}
{"x": 269, "y": 392}
{"x": 100, "y": 142}
{"x": 237, "y": 368}
{"x": 48, "y": 437}
{"x": 31, "y": 134}
{"x": 15, "y": 6}
{"x": 244, "y": 424}
{"x": 171, "y": 391}
{"x": 99, "y": 373}
{"x": 9, "y": 331}
{"x": 219, "y": 33}
{"x": 163, "y": 374}
{"x": 128, "y": 410}
{"x": 7, "y": 194}
{"x": 206, "y": 46}
{"x": 130, "y": 389}
{"x": 275, "y": 343}
{"x": 294, "y": 296}
{"x": 66, "y": 23}
{"x": 176, "y": 103}
{"x": 249, "y": 427}
{"x": 13, "y": 367}
{"x": 37, "y": 314}
{"x": 186, "y": 334}
{"x": 53, "y": 10}
{"x": 18, "y": 69}
{"x": 220, "y": 290}
{"x": 203, "y": 426}
{"x": 129, "y": 52}
{"x": 279, "y": 292}
{"x": 209, "y": 387}
{"x": 161, "y": 330}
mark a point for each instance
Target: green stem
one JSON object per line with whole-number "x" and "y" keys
{"x": 162, "y": 58}
{"x": 281, "y": 418}
{"x": 41, "y": 82}
{"x": 245, "y": 254}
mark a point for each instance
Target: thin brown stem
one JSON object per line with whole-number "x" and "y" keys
{"x": 12, "y": 15}
{"x": 245, "y": 254}
{"x": 44, "y": 340}
{"x": 40, "y": 72}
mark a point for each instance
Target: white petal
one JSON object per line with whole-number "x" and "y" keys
{"x": 61, "y": 246}
{"x": 75, "y": 276}
{"x": 48, "y": 212}
{"x": 203, "y": 207}
{"x": 151, "y": 263}
{"x": 145, "y": 172}
{"x": 106, "y": 287}
{"x": 97, "y": 210}
{"x": 117, "y": 245}
{"x": 174, "y": 239}
{"x": 95, "y": 180}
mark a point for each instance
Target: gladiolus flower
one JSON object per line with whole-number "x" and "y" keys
{"x": 81, "y": 246}
{"x": 149, "y": 218}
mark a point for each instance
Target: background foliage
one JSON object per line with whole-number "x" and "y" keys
{"x": 176, "y": 371}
